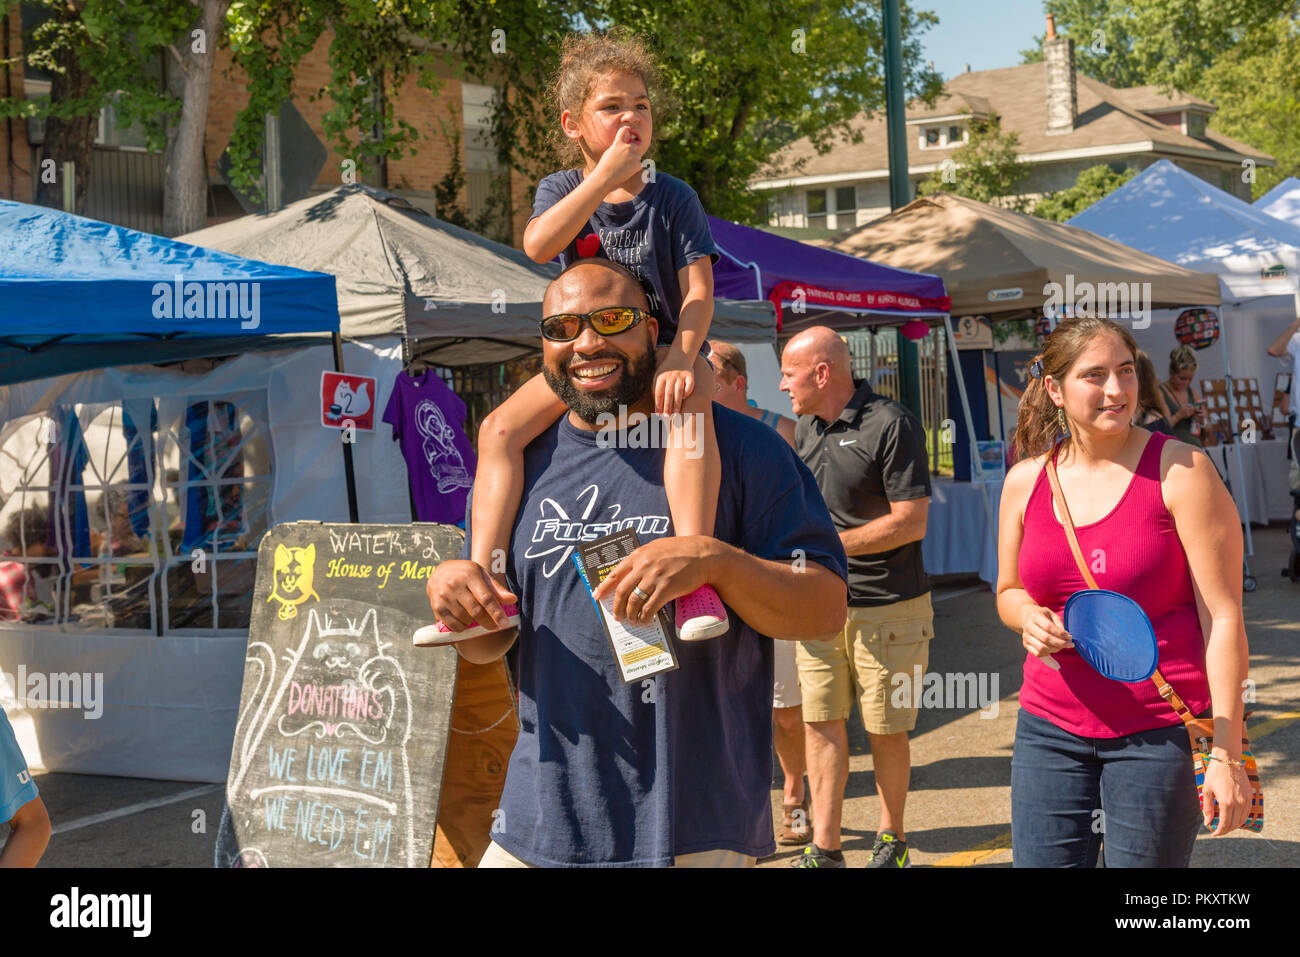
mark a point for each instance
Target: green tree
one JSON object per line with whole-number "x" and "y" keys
{"x": 745, "y": 79}
{"x": 1256, "y": 85}
{"x": 1103, "y": 39}
{"x": 1168, "y": 43}
{"x": 750, "y": 78}
{"x": 375, "y": 46}
{"x": 97, "y": 52}
{"x": 112, "y": 51}
{"x": 987, "y": 167}
{"x": 1093, "y": 184}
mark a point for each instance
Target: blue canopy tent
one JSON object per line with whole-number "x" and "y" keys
{"x": 203, "y": 458}
{"x": 78, "y": 294}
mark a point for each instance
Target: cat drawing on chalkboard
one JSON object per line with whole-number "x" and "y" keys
{"x": 343, "y": 689}
{"x": 343, "y": 682}
{"x": 337, "y": 654}
{"x": 294, "y": 568}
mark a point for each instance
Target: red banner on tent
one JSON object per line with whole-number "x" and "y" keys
{"x": 853, "y": 299}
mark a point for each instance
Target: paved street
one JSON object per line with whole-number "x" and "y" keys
{"x": 959, "y": 810}
{"x": 959, "y": 807}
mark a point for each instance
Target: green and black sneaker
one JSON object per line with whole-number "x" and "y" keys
{"x": 889, "y": 851}
{"x": 814, "y": 856}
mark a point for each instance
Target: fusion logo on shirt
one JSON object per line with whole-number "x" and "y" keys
{"x": 556, "y": 533}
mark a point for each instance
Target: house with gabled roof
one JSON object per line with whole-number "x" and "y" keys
{"x": 1066, "y": 122}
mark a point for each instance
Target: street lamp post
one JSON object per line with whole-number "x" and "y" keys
{"x": 900, "y": 188}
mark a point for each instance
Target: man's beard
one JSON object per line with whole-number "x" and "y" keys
{"x": 638, "y": 376}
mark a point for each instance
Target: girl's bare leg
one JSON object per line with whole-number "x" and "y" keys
{"x": 692, "y": 467}
{"x": 499, "y": 482}
{"x": 692, "y": 479}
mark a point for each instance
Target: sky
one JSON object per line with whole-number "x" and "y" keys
{"x": 987, "y": 34}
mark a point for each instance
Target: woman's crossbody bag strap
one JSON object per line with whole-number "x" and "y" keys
{"x": 1163, "y": 687}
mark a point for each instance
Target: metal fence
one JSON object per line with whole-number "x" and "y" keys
{"x": 875, "y": 357}
{"x": 125, "y": 188}
{"x": 484, "y": 387}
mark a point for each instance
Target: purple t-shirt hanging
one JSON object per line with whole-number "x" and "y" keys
{"x": 428, "y": 420}
{"x": 656, "y": 233}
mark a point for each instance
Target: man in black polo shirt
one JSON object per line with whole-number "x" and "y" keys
{"x": 868, "y": 456}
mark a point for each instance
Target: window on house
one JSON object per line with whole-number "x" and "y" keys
{"x": 955, "y": 135}
{"x": 846, "y": 199}
{"x": 1195, "y": 124}
{"x": 816, "y": 207}
{"x": 931, "y": 137}
{"x": 487, "y": 183}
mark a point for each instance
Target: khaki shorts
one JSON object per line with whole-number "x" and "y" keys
{"x": 785, "y": 689}
{"x": 498, "y": 856}
{"x": 876, "y": 643}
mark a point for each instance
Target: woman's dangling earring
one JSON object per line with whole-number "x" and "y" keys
{"x": 1060, "y": 421}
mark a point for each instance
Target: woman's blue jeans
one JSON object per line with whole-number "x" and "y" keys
{"x": 1134, "y": 795}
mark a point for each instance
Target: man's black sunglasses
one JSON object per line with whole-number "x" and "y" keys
{"x": 566, "y": 326}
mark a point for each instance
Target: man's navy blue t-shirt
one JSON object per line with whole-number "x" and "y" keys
{"x": 656, "y": 233}
{"x": 607, "y": 774}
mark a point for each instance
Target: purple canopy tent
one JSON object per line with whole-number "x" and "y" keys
{"x": 826, "y": 287}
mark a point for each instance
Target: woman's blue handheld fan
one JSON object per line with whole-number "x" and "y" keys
{"x": 1112, "y": 633}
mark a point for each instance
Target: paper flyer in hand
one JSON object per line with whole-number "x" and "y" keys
{"x": 641, "y": 650}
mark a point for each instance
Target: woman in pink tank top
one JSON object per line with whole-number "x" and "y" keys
{"x": 1100, "y": 762}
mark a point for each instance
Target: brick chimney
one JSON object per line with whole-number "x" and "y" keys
{"x": 1062, "y": 92}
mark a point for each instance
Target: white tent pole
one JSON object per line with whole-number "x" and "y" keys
{"x": 1236, "y": 444}
{"x": 970, "y": 429}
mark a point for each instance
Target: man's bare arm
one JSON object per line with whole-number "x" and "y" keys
{"x": 797, "y": 600}
{"x": 1278, "y": 348}
{"x": 904, "y": 523}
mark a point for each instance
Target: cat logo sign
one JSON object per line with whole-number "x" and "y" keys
{"x": 294, "y": 569}
{"x": 347, "y": 399}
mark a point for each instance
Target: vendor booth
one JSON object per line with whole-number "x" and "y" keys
{"x": 1003, "y": 271}
{"x": 131, "y": 498}
{"x": 806, "y": 286}
{"x": 1171, "y": 213}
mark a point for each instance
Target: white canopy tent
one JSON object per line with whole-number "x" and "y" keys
{"x": 1282, "y": 201}
{"x": 1170, "y": 213}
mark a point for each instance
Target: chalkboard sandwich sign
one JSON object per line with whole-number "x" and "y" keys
{"x": 342, "y": 730}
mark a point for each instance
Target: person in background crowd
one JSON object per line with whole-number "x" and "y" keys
{"x": 787, "y": 704}
{"x": 1164, "y": 524}
{"x": 1186, "y": 410}
{"x": 868, "y": 455}
{"x": 1288, "y": 344}
{"x": 24, "y": 536}
{"x": 1152, "y": 413}
{"x": 20, "y": 805}
{"x": 732, "y": 389}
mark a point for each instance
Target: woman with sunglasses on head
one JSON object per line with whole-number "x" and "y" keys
{"x": 1099, "y": 762}
{"x": 652, "y": 223}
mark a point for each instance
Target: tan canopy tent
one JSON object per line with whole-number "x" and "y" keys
{"x": 1000, "y": 264}
{"x": 996, "y": 262}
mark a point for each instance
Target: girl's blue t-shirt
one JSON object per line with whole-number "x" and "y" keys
{"x": 16, "y": 784}
{"x": 605, "y": 774}
{"x": 662, "y": 229}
